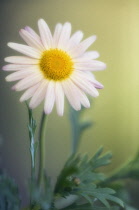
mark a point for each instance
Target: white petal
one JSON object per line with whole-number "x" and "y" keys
{"x": 85, "y": 85}
{"x": 59, "y": 98}
{"x": 34, "y": 34}
{"x": 91, "y": 55}
{"x": 21, "y": 60}
{"x": 50, "y": 97}
{"x": 57, "y": 33}
{"x": 29, "y": 92}
{"x": 45, "y": 34}
{"x": 83, "y": 98}
{"x": 92, "y": 65}
{"x": 14, "y": 67}
{"x": 84, "y": 75}
{"x": 28, "y": 82}
{"x": 80, "y": 95}
{"x": 70, "y": 92}
{"x": 64, "y": 36}
{"x": 24, "y": 49}
{"x": 29, "y": 39}
{"x": 39, "y": 95}
{"x": 75, "y": 39}
{"x": 19, "y": 75}
{"x": 87, "y": 56}
{"x": 82, "y": 47}
{"x": 89, "y": 77}
{"x": 97, "y": 84}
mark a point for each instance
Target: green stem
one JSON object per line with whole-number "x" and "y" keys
{"x": 32, "y": 151}
{"x": 42, "y": 149}
{"x": 33, "y": 147}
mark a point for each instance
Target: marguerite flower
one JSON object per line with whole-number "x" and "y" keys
{"x": 54, "y": 66}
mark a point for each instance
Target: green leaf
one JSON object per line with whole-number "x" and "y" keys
{"x": 102, "y": 194}
{"x": 64, "y": 182}
{"x": 89, "y": 207}
{"x": 99, "y": 161}
{"x": 88, "y": 166}
{"x": 83, "y": 169}
{"x": 98, "y": 153}
{"x": 79, "y": 177}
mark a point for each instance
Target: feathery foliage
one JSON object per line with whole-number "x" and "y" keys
{"x": 79, "y": 177}
{"x": 9, "y": 195}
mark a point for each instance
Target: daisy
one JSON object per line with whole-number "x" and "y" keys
{"x": 54, "y": 66}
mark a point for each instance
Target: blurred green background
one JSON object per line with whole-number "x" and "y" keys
{"x": 115, "y": 112}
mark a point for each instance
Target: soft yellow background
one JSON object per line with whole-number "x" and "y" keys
{"x": 115, "y": 112}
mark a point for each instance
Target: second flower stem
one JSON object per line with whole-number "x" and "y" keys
{"x": 42, "y": 149}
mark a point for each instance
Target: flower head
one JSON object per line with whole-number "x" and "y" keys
{"x": 54, "y": 66}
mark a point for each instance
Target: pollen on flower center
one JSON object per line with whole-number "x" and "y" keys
{"x": 56, "y": 64}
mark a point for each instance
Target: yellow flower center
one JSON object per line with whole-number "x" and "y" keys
{"x": 56, "y": 64}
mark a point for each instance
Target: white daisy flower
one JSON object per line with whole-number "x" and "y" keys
{"x": 54, "y": 66}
